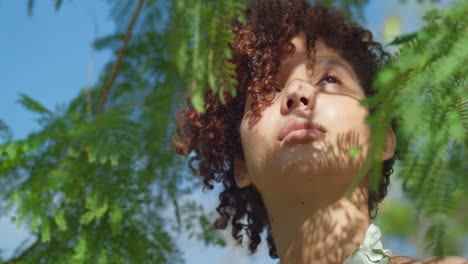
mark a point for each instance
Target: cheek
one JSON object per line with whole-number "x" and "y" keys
{"x": 258, "y": 141}
{"x": 348, "y": 129}
{"x": 251, "y": 137}
{"x": 347, "y": 118}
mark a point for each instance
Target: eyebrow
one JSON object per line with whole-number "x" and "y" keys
{"x": 335, "y": 62}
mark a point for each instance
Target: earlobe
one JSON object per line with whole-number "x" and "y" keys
{"x": 390, "y": 144}
{"x": 241, "y": 175}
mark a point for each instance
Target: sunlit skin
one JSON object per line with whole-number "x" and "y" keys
{"x": 303, "y": 181}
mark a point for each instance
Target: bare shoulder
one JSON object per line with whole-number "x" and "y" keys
{"x": 433, "y": 260}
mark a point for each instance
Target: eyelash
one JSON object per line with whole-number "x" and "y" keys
{"x": 336, "y": 78}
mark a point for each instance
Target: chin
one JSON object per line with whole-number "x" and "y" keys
{"x": 311, "y": 156}
{"x": 309, "y": 164}
{"x": 301, "y": 170}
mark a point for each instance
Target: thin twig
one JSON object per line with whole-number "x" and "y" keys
{"x": 92, "y": 15}
{"x": 115, "y": 67}
{"x": 88, "y": 87}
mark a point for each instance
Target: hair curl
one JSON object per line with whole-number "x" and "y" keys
{"x": 214, "y": 138}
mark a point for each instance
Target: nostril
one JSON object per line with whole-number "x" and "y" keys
{"x": 289, "y": 103}
{"x": 304, "y": 100}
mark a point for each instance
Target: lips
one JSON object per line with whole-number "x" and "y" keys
{"x": 300, "y": 129}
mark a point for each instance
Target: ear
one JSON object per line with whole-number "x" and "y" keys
{"x": 240, "y": 174}
{"x": 390, "y": 143}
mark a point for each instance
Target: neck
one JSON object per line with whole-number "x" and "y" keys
{"x": 325, "y": 231}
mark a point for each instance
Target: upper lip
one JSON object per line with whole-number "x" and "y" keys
{"x": 299, "y": 125}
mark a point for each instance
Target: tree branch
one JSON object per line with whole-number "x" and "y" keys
{"x": 88, "y": 89}
{"x": 115, "y": 67}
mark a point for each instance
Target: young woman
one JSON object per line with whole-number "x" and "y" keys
{"x": 281, "y": 146}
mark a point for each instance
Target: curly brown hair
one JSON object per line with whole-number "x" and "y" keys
{"x": 214, "y": 138}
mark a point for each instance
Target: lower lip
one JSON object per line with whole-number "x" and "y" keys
{"x": 303, "y": 135}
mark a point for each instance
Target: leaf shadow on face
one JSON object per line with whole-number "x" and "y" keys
{"x": 319, "y": 234}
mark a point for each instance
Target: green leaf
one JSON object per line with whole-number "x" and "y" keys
{"x": 58, "y": 3}
{"x": 3, "y": 126}
{"x": 45, "y": 230}
{"x": 403, "y": 39}
{"x": 102, "y": 159}
{"x": 385, "y": 77}
{"x": 87, "y": 217}
{"x": 100, "y": 211}
{"x": 16, "y": 197}
{"x": 11, "y": 150}
{"x": 33, "y": 105}
{"x": 242, "y": 19}
{"x": 198, "y": 101}
{"x": 30, "y": 7}
{"x": 455, "y": 126}
{"x": 73, "y": 153}
{"x": 182, "y": 58}
{"x": 102, "y": 258}
{"x": 115, "y": 217}
{"x": 34, "y": 224}
{"x": 80, "y": 249}
{"x": 211, "y": 76}
{"x": 114, "y": 159}
{"x": 5, "y": 132}
{"x": 91, "y": 156}
{"x": 109, "y": 41}
{"x": 60, "y": 221}
{"x": 354, "y": 151}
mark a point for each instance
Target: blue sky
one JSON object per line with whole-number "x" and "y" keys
{"x": 47, "y": 56}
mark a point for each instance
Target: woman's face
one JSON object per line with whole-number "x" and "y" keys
{"x": 305, "y": 136}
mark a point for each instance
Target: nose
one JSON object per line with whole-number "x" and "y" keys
{"x": 298, "y": 94}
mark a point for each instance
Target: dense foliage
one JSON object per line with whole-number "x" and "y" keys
{"x": 425, "y": 88}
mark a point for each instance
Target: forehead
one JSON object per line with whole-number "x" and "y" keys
{"x": 321, "y": 48}
{"x": 324, "y": 55}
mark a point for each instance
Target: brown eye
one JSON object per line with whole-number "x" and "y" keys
{"x": 330, "y": 79}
